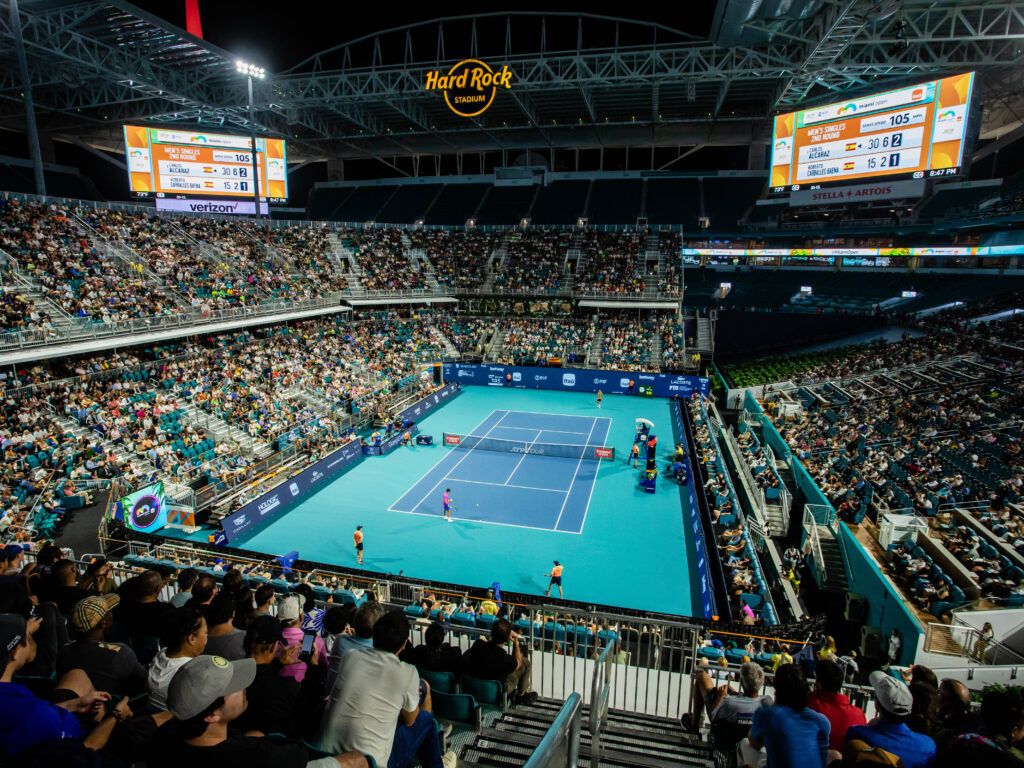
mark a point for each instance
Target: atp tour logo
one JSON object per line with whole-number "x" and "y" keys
{"x": 470, "y": 86}
{"x": 145, "y": 511}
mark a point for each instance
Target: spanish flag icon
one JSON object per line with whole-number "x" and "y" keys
{"x": 207, "y": 169}
{"x": 848, "y": 166}
{"x": 851, "y": 146}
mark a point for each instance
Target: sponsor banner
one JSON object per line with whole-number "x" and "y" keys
{"x": 604, "y": 453}
{"x": 452, "y": 439}
{"x": 885, "y": 190}
{"x": 275, "y": 503}
{"x": 418, "y": 411}
{"x": 577, "y": 380}
{"x": 387, "y": 446}
{"x": 229, "y": 207}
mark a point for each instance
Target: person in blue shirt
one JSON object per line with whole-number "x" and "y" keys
{"x": 26, "y": 721}
{"x": 792, "y": 734}
{"x": 889, "y": 731}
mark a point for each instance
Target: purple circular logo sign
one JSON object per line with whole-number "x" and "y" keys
{"x": 145, "y": 511}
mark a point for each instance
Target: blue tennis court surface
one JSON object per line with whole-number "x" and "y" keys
{"x": 519, "y": 487}
{"x": 620, "y": 546}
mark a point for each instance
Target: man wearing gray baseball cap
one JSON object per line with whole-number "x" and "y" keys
{"x": 206, "y": 696}
{"x": 889, "y": 730}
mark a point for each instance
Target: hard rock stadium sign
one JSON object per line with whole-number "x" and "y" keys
{"x": 470, "y": 86}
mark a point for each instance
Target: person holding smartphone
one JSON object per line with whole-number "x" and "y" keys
{"x": 289, "y": 612}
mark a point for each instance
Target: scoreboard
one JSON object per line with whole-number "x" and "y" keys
{"x": 914, "y": 132}
{"x": 175, "y": 163}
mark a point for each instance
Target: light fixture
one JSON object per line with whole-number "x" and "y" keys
{"x": 250, "y": 69}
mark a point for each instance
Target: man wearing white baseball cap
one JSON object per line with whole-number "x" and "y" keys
{"x": 205, "y": 696}
{"x": 889, "y": 730}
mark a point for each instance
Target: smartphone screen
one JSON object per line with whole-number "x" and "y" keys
{"x": 307, "y": 645}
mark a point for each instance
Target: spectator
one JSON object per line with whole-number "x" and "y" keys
{"x": 183, "y": 638}
{"x": 141, "y": 613}
{"x": 791, "y": 733}
{"x": 279, "y": 704}
{"x": 186, "y": 580}
{"x": 27, "y": 722}
{"x": 489, "y": 660}
{"x": 727, "y": 709}
{"x": 376, "y": 705}
{"x": 289, "y": 611}
{"x": 951, "y": 712}
{"x": 223, "y": 639}
{"x": 234, "y": 585}
{"x": 265, "y": 597}
{"x": 12, "y": 557}
{"x": 66, "y": 591}
{"x": 435, "y": 654}
{"x": 203, "y": 590}
{"x": 111, "y": 667}
{"x": 827, "y": 699}
{"x": 889, "y": 731}
{"x": 362, "y": 636}
{"x": 206, "y": 697}
{"x": 923, "y": 687}
{"x": 991, "y": 746}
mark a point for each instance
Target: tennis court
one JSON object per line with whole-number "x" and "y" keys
{"x": 620, "y": 546}
{"x": 516, "y": 468}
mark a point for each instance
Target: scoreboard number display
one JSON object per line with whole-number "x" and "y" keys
{"x": 914, "y": 132}
{"x": 166, "y": 162}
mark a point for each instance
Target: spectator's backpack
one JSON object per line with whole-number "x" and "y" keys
{"x": 860, "y": 753}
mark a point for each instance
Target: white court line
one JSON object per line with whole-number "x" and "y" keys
{"x": 502, "y": 485}
{"x": 531, "y": 429}
{"x": 525, "y": 454}
{"x": 571, "y": 482}
{"x": 470, "y": 451}
{"x": 563, "y": 415}
{"x": 485, "y": 522}
{"x": 593, "y": 483}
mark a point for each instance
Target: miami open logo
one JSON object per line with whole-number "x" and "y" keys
{"x": 469, "y": 87}
{"x": 145, "y": 511}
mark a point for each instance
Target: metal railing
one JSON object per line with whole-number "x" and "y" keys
{"x": 600, "y": 695}
{"x": 964, "y": 641}
{"x": 560, "y": 747}
{"x": 811, "y": 526}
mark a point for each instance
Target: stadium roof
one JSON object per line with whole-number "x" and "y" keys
{"x": 95, "y": 64}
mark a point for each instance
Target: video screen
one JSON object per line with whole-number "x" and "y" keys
{"x": 145, "y": 510}
{"x": 183, "y": 164}
{"x": 912, "y": 133}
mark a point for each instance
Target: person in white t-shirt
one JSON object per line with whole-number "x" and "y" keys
{"x": 380, "y": 707}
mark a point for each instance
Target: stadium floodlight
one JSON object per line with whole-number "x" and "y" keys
{"x": 250, "y": 71}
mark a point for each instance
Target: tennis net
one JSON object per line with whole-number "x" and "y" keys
{"x": 556, "y": 450}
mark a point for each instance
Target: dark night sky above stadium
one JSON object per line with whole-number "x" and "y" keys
{"x": 278, "y": 35}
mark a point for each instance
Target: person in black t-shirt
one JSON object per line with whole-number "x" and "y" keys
{"x": 206, "y": 697}
{"x": 280, "y": 704}
{"x": 141, "y": 612}
{"x": 435, "y": 655}
{"x": 66, "y": 592}
{"x": 489, "y": 660}
{"x": 111, "y": 667}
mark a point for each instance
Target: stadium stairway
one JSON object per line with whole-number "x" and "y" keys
{"x": 705, "y": 339}
{"x": 835, "y": 571}
{"x": 31, "y": 289}
{"x": 655, "y": 358}
{"x": 628, "y": 740}
{"x": 449, "y": 348}
{"x": 222, "y": 431}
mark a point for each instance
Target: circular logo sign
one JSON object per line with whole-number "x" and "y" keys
{"x": 469, "y": 87}
{"x": 145, "y": 511}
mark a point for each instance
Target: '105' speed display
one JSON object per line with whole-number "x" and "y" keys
{"x": 913, "y": 132}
